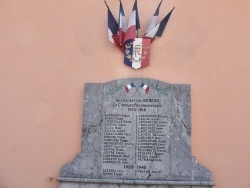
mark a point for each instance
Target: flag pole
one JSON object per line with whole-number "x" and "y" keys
{"x": 160, "y": 3}
{"x": 136, "y": 23}
{"x": 106, "y": 3}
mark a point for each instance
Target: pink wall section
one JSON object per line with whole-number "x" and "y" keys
{"x": 49, "y": 49}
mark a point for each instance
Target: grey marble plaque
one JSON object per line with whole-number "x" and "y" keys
{"x": 136, "y": 129}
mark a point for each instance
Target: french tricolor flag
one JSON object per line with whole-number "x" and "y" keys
{"x": 133, "y": 25}
{"x": 129, "y": 86}
{"x": 153, "y": 21}
{"x": 122, "y": 24}
{"x": 159, "y": 28}
{"x": 145, "y": 87}
{"x": 113, "y": 28}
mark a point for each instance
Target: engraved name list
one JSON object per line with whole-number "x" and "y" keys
{"x": 135, "y": 139}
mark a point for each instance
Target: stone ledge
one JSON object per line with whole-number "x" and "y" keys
{"x": 135, "y": 182}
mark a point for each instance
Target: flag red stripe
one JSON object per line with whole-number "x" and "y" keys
{"x": 130, "y": 33}
{"x": 126, "y": 88}
{"x": 146, "y": 42}
{"x": 121, "y": 36}
{"x": 116, "y": 39}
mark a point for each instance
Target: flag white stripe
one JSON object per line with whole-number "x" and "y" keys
{"x": 152, "y": 24}
{"x": 110, "y": 36}
{"x": 123, "y": 23}
{"x": 136, "y": 56}
{"x": 153, "y": 32}
{"x": 132, "y": 20}
{"x": 128, "y": 86}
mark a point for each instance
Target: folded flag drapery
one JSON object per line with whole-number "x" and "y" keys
{"x": 125, "y": 37}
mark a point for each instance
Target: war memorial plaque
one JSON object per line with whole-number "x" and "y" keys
{"x": 135, "y": 134}
{"x": 136, "y": 131}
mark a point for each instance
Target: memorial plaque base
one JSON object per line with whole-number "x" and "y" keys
{"x": 136, "y": 132}
{"x": 104, "y": 183}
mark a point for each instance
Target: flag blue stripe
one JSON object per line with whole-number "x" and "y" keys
{"x": 158, "y": 9}
{"x": 163, "y": 24}
{"x": 121, "y": 9}
{"x": 126, "y": 60}
{"x": 132, "y": 84}
{"x": 135, "y": 8}
{"x": 112, "y": 24}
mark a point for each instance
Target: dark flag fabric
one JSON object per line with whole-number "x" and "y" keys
{"x": 138, "y": 25}
{"x": 122, "y": 24}
{"x": 159, "y": 28}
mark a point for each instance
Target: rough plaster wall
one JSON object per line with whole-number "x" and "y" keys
{"x": 49, "y": 49}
